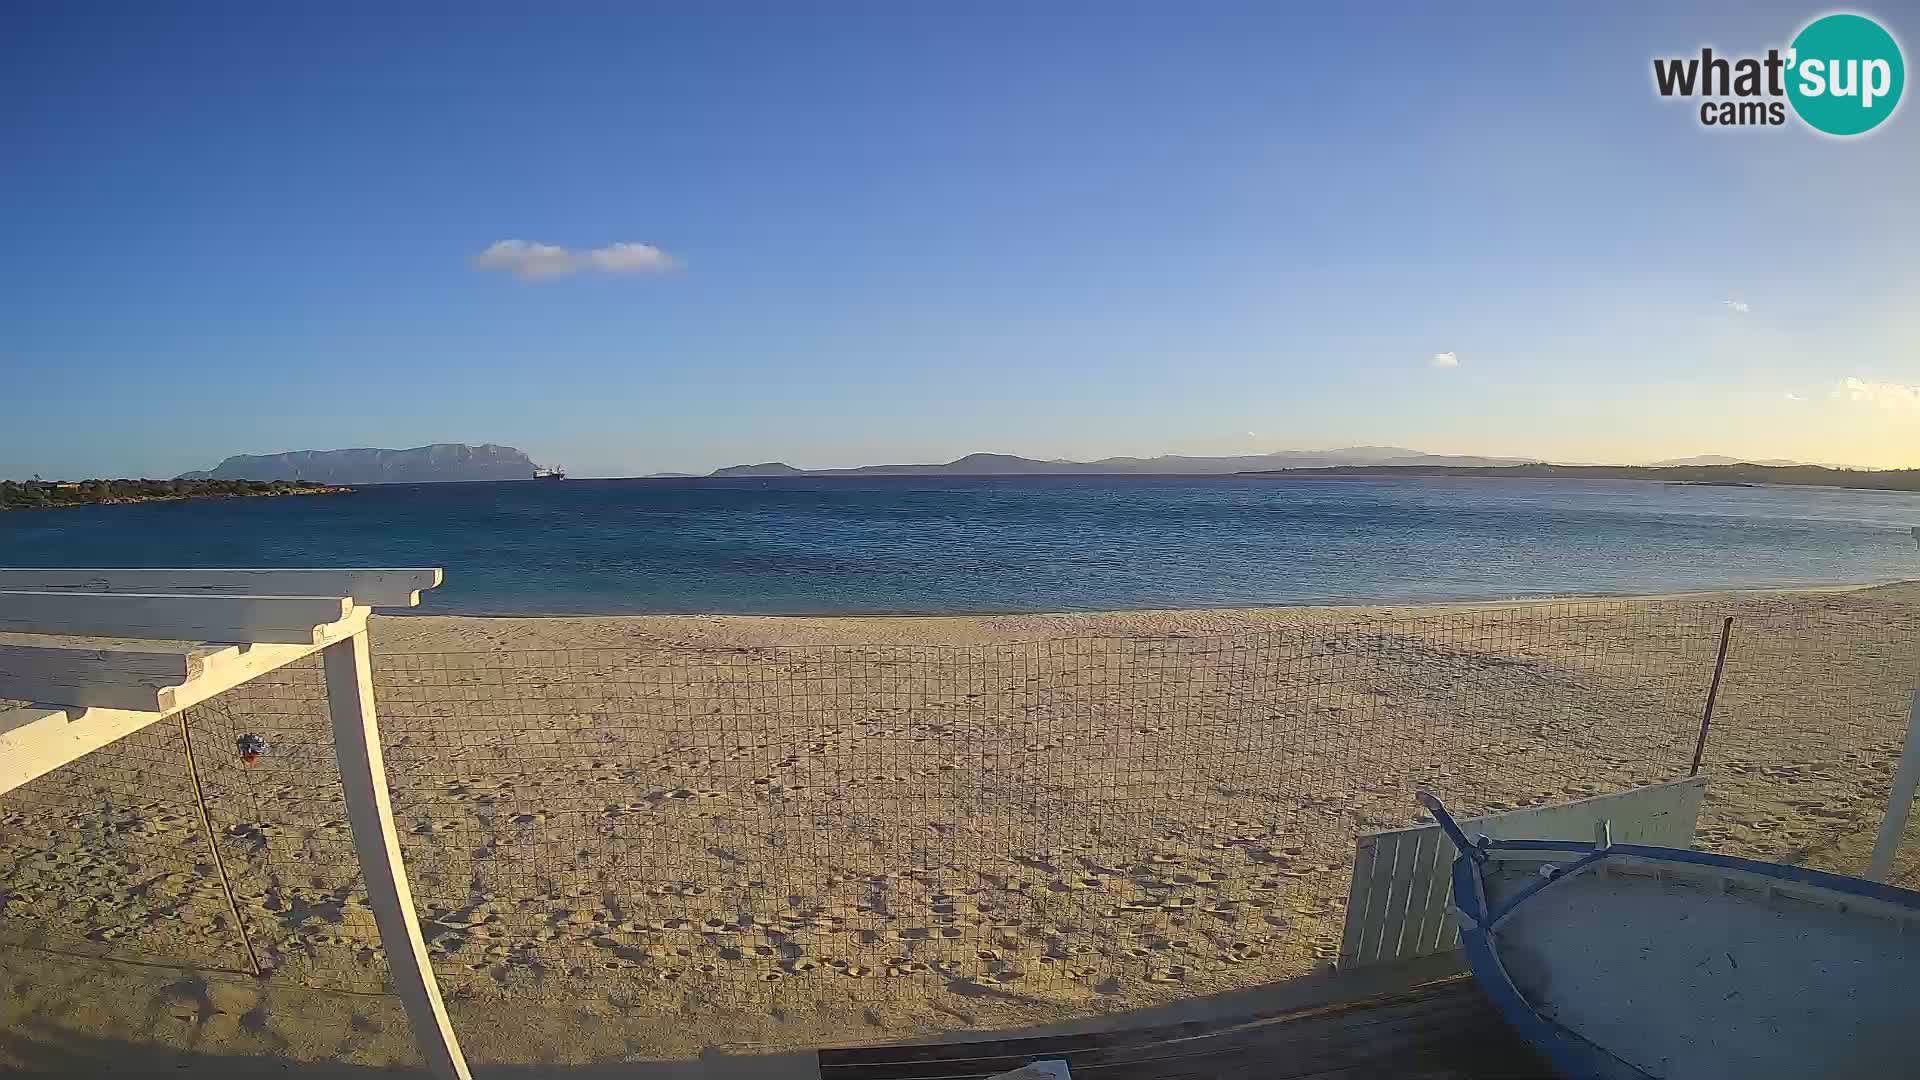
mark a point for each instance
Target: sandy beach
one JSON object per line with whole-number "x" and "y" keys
{"x": 649, "y": 837}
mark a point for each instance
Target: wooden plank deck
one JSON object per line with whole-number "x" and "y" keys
{"x": 1439, "y": 1031}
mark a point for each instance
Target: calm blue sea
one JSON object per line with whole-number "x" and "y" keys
{"x": 1015, "y": 544}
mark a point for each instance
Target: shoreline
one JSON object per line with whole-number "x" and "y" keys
{"x": 1309, "y": 605}
{"x": 197, "y": 496}
{"x": 435, "y": 633}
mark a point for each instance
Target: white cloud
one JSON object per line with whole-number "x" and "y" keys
{"x": 529, "y": 261}
{"x": 630, "y": 258}
{"x": 1739, "y": 306}
{"x": 1444, "y": 359}
{"x": 1884, "y": 394}
{"x": 1791, "y": 396}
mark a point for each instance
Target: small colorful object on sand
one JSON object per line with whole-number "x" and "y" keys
{"x": 251, "y": 747}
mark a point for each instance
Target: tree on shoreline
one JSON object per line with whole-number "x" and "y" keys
{"x": 40, "y": 494}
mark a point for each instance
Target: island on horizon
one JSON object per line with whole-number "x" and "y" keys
{"x": 434, "y": 463}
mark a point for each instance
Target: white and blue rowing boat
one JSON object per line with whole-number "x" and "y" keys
{"x": 1623, "y": 962}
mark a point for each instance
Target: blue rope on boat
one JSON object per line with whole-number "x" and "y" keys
{"x": 1452, "y": 829}
{"x": 1477, "y": 852}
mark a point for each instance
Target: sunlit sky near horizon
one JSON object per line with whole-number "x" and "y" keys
{"x": 649, "y": 242}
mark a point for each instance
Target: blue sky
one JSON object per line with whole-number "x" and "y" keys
{"x": 902, "y": 234}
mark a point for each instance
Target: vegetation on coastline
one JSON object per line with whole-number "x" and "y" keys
{"x": 1713, "y": 475}
{"x": 42, "y": 494}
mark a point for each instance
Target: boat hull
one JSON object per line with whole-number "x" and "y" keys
{"x": 1622, "y": 961}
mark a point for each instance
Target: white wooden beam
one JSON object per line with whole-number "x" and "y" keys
{"x": 162, "y": 681}
{"x": 363, "y": 778}
{"x": 39, "y": 738}
{"x": 1906, "y": 780}
{"x": 286, "y": 619}
{"x": 368, "y": 588}
{"x": 108, "y": 678}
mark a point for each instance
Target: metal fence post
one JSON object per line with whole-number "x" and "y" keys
{"x": 1906, "y": 779}
{"x": 1713, "y": 693}
{"x": 363, "y": 775}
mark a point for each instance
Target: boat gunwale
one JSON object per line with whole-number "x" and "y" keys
{"x": 1571, "y": 1053}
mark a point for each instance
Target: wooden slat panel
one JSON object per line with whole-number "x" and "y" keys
{"x": 1398, "y": 937}
{"x": 287, "y": 619}
{"x": 368, "y": 588}
{"x": 1358, "y": 897}
{"x": 1440, "y": 1032}
{"x": 1400, "y": 907}
{"x": 1379, "y": 897}
{"x": 1436, "y": 919}
{"x": 1379, "y": 1009}
{"x": 109, "y": 678}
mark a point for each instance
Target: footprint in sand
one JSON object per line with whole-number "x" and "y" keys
{"x": 429, "y": 827}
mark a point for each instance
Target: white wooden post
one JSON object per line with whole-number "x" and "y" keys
{"x": 363, "y": 773}
{"x": 1900, "y": 800}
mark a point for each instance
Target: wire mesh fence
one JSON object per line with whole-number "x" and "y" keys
{"x": 1084, "y": 822}
{"x": 1808, "y": 730}
{"x": 281, "y": 823}
{"x": 1080, "y": 816}
{"x": 107, "y": 857}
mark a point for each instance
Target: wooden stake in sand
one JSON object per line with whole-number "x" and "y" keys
{"x": 1906, "y": 779}
{"x": 213, "y": 845}
{"x": 1713, "y": 693}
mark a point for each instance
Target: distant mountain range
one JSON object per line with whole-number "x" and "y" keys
{"x": 1165, "y": 465}
{"x": 1722, "y": 459}
{"x": 490, "y": 461}
{"x": 1744, "y": 474}
{"x": 420, "y": 465}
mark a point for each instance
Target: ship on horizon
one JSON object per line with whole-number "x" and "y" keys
{"x": 555, "y": 473}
